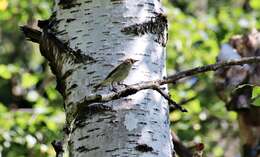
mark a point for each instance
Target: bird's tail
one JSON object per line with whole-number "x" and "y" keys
{"x": 96, "y": 87}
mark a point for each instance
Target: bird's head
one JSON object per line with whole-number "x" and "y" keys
{"x": 130, "y": 61}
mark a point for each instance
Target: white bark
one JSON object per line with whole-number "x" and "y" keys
{"x": 137, "y": 125}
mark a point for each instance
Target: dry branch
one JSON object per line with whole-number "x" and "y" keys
{"x": 132, "y": 89}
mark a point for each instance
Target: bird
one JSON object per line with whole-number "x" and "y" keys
{"x": 118, "y": 74}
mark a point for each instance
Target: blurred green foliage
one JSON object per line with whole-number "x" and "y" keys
{"x": 31, "y": 113}
{"x": 196, "y": 30}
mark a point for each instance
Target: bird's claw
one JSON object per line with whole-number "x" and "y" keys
{"x": 125, "y": 85}
{"x": 114, "y": 90}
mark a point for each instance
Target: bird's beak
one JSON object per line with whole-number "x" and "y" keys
{"x": 135, "y": 60}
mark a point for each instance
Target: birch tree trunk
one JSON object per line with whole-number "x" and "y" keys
{"x": 100, "y": 35}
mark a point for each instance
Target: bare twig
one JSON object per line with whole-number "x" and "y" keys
{"x": 179, "y": 147}
{"x": 212, "y": 67}
{"x": 187, "y": 100}
{"x": 183, "y": 102}
{"x": 171, "y": 102}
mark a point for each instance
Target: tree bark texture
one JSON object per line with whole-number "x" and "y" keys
{"x": 97, "y": 35}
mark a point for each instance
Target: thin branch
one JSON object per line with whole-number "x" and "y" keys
{"x": 183, "y": 102}
{"x": 211, "y": 67}
{"x": 255, "y": 98}
{"x": 132, "y": 89}
{"x": 179, "y": 147}
{"x": 172, "y": 103}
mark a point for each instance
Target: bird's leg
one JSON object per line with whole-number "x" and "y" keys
{"x": 113, "y": 88}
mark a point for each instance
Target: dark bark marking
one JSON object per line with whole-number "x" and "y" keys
{"x": 156, "y": 109}
{"x": 104, "y": 15}
{"x": 67, "y": 74}
{"x": 150, "y": 132}
{"x": 116, "y": 43}
{"x": 91, "y": 72}
{"x": 74, "y": 38}
{"x": 141, "y": 114}
{"x": 117, "y": 1}
{"x": 68, "y": 94}
{"x": 74, "y": 11}
{"x": 132, "y": 142}
{"x": 66, "y": 129}
{"x": 69, "y": 104}
{"x": 151, "y": 4}
{"x": 90, "y": 42}
{"x": 73, "y": 86}
{"x": 105, "y": 48}
{"x": 106, "y": 32}
{"x": 88, "y": 1}
{"x": 92, "y": 130}
{"x": 115, "y": 22}
{"x": 79, "y": 44}
{"x": 155, "y": 122}
{"x": 61, "y": 86}
{"x": 142, "y": 123}
{"x": 70, "y": 20}
{"x": 108, "y": 65}
{"x": 134, "y": 135}
{"x": 156, "y": 153}
{"x": 83, "y": 137}
{"x": 85, "y": 35}
{"x": 140, "y": 5}
{"x": 90, "y": 85}
{"x": 68, "y": 4}
{"x": 144, "y": 148}
{"x": 96, "y": 76}
{"x": 79, "y": 123}
{"x": 157, "y": 25}
{"x": 62, "y": 32}
{"x": 84, "y": 149}
{"x": 154, "y": 139}
{"x": 83, "y": 58}
{"x": 112, "y": 150}
{"x": 120, "y": 54}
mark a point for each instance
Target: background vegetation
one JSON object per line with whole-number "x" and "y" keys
{"x": 31, "y": 112}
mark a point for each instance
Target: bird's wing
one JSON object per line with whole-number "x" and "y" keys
{"x": 114, "y": 71}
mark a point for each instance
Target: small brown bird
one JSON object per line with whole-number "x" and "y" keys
{"x": 118, "y": 74}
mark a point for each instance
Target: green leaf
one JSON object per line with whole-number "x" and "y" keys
{"x": 4, "y": 72}
{"x": 256, "y": 96}
{"x": 28, "y": 80}
{"x": 255, "y": 4}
